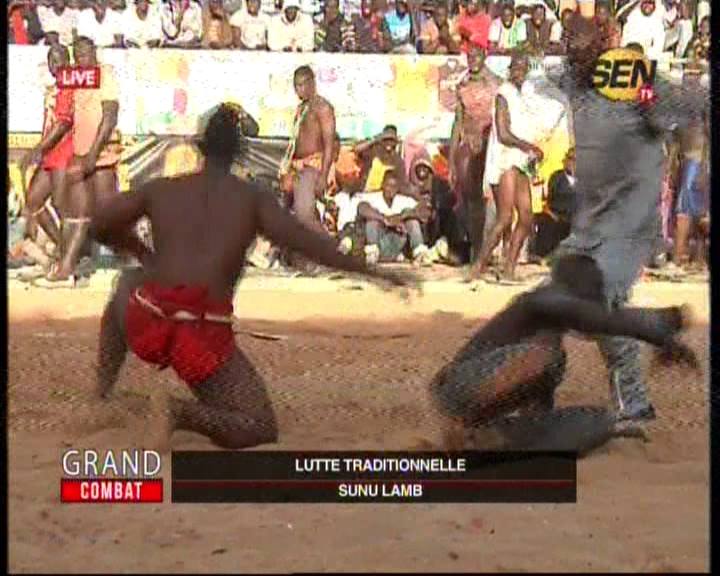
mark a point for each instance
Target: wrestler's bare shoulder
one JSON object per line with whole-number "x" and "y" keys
{"x": 321, "y": 106}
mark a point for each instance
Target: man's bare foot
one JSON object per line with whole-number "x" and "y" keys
{"x": 475, "y": 272}
{"x": 59, "y": 274}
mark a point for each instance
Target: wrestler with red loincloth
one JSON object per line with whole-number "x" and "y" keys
{"x": 177, "y": 310}
{"x": 54, "y": 153}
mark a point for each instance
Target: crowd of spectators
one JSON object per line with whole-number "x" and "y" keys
{"x": 378, "y": 194}
{"x": 681, "y": 27}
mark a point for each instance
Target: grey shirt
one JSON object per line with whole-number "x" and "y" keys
{"x": 619, "y": 160}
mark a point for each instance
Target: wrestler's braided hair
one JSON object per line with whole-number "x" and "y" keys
{"x": 223, "y": 140}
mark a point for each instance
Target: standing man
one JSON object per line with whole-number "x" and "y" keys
{"x": 468, "y": 144}
{"x": 54, "y": 152}
{"x": 96, "y": 140}
{"x": 310, "y": 154}
{"x": 178, "y": 310}
{"x": 619, "y": 161}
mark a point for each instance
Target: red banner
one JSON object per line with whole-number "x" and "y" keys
{"x": 104, "y": 491}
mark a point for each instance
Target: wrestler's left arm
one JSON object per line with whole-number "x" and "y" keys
{"x": 326, "y": 116}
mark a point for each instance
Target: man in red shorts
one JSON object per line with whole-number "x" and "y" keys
{"x": 54, "y": 152}
{"x": 177, "y": 311}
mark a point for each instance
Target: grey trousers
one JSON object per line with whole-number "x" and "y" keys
{"x": 390, "y": 243}
{"x": 621, "y": 262}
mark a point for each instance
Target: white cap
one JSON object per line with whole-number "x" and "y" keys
{"x": 291, "y": 4}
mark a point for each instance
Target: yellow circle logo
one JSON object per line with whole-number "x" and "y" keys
{"x": 620, "y": 74}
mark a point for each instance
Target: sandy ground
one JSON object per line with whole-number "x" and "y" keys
{"x": 351, "y": 374}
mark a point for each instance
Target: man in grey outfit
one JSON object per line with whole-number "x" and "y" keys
{"x": 619, "y": 178}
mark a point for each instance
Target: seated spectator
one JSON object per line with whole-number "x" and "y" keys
{"x": 74, "y": 9}
{"x": 473, "y": 27}
{"x": 57, "y": 22}
{"x": 436, "y": 36}
{"x": 565, "y": 19}
{"x": 250, "y": 27}
{"x": 524, "y": 8}
{"x": 507, "y": 32}
{"x": 552, "y": 225}
{"x": 217, "y": 32}
{"x": 380, "y": 155}
{"x": 348, "y": 170}
{"x": 182, "y": 23}
{"x": 142, "y": 26}
{"x": 103, "y": 26}
{"x": 291, "y": 31}
{"x": 392, "y": 223}
{"x": 442, "y": 223}
{"x": 366, "y": 28}
{"x": 120, "y": 7}
{"x": 609, "y": 28}
{"x": 331, "y": 31}
{"x": 23, "y": 23}
{"x": 678, "y": 37}
{"x": 398, "y": 29}
{"x": 644, "y": 27}
{"x": 543, "y": 35}
{"x": 698, "y": 52}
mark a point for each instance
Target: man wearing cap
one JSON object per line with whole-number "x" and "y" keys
{"x": 291, "y": 30}
{"x": 379, "y": 155}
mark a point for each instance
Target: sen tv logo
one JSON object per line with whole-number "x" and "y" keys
{"x": 620, "y": 74}
{"x": 111, "y": 476}
{"x": 79, "y": 77}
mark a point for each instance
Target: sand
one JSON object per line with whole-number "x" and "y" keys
{"x": 350, "y": 375}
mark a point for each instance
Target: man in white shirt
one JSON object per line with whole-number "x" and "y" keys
{"x": 392, "y": 222}
{"x": 291, "y": 31}
{"x": 507, "y": 32}
{"x": 142, "y": 26}
{"x": 102, "y": 26}
{"x": 57, "y": 22}
{"x": 250, "y": 27}
{"x": 643, "y": 27}
{"x": 182, "y": 23}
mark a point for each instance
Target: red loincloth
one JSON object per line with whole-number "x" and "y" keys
{"x": 180, "y": 327}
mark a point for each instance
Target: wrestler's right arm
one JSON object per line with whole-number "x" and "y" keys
{"x": 504, "y": 132}
{"x": 113, "y": 223}
{"x": 286, "y": 231}
{"x": 55, "y": 135}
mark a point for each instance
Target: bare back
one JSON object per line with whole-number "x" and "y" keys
{"x": 202, "y": 226}
{"x": 310, "y": 138}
